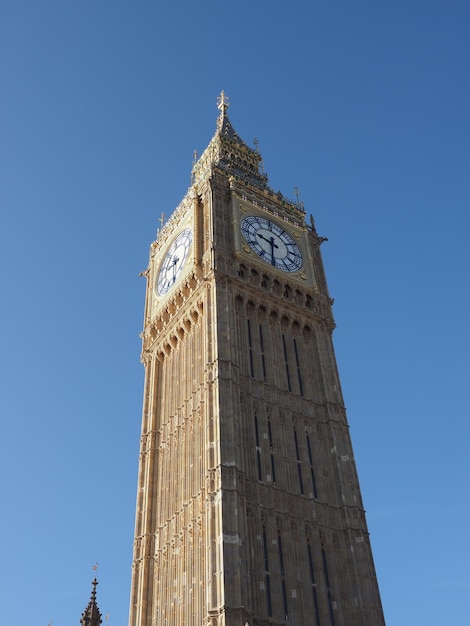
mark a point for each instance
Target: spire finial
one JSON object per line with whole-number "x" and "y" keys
{"x": 91, "y": 616}
{"x": 261, "y": 164}
{"x": 299, "y": 202}
{"x": 162, "y": 221}
{"x": 193, "y": 175}
{"x": 222, "y": 103}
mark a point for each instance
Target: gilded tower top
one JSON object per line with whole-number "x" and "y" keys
{"x": 230, "y": 153}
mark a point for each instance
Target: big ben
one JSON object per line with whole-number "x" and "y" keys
{"x": 249, "y": 511}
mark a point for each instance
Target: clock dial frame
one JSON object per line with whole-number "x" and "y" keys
{"x": 173, "y": 262}
{"x": 271, "y": 243}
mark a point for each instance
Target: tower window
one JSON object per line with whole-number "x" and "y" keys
{"x": 312, "y": 470}
{"x": 263, "y": 360}
{"x": 250, "y": 349}
{"x": 289, "y": 386}
{"x": 283, "y": 573}
{"x": 313, "y": 584}
{"x": 299, "y": 462}
{"x": 258, "y": 459}
{"x": 258, "y": 449}
{"x": 273, "y": 467}
{"x": 265, "y": 550}
{"x": 327, "y": 580}
{"x": 268, "y": 596}
{"x": 268, "y": 579}
{"x": 281, "y": 556}
{"x": 299, "y": 374}
{"x": 284, "y": 598}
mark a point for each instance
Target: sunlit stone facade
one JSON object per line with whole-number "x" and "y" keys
{"x": 248, "y": 506}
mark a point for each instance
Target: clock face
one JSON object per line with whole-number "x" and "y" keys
{"x": 174, "y": 261}
{"x": 271, "y": 243}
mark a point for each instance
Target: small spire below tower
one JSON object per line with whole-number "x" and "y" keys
{"x": 91, "y": 616}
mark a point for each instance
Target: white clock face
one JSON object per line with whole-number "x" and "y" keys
{"x": 271, "y": 243}
{"x": 174, "y": 261}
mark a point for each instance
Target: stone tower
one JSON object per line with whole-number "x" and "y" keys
{"x": 249, "y": 510}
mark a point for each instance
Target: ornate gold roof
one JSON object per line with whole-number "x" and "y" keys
{"x": 230, "y": 153}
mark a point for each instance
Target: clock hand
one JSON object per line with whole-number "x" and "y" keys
{"x": 175, "y": 261}
{"x": 265, "y": 238}
{"x": 271, "y": 243}
{"x": 270, "y": 240}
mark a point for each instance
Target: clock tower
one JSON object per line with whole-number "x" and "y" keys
{"x": 249, "y": 510}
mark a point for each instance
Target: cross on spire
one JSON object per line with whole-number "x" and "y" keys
{"x": 91, "y": 616}
{"x": 222, "y": 102}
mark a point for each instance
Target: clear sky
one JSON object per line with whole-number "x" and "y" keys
{"x": 364, "y": 106}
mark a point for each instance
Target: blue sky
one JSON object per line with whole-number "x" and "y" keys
{"x": 364, "y": 107}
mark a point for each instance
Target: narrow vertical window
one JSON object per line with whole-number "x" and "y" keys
{"x": 281, "y": 556}
{"x": 266, "y": 568}
{"x": 250, "y": 349}
{"x": 286, "y": 361}
{"x": 299, "y": 373}
{"x": 299, "y": 462}
{"x": 268, "y": 596}
{"x": 271, "y": 451}
{"x": 327, "y": 580}
{"x": 312, "y": 470}
{"x": 261, "y": 343}
{"x": 258, "y": 448}
{"x": 283, "y": 579}
{"x": 265, "y": 550}
{"x": 313, "y": 584}
{"x": 284, "y": 598}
